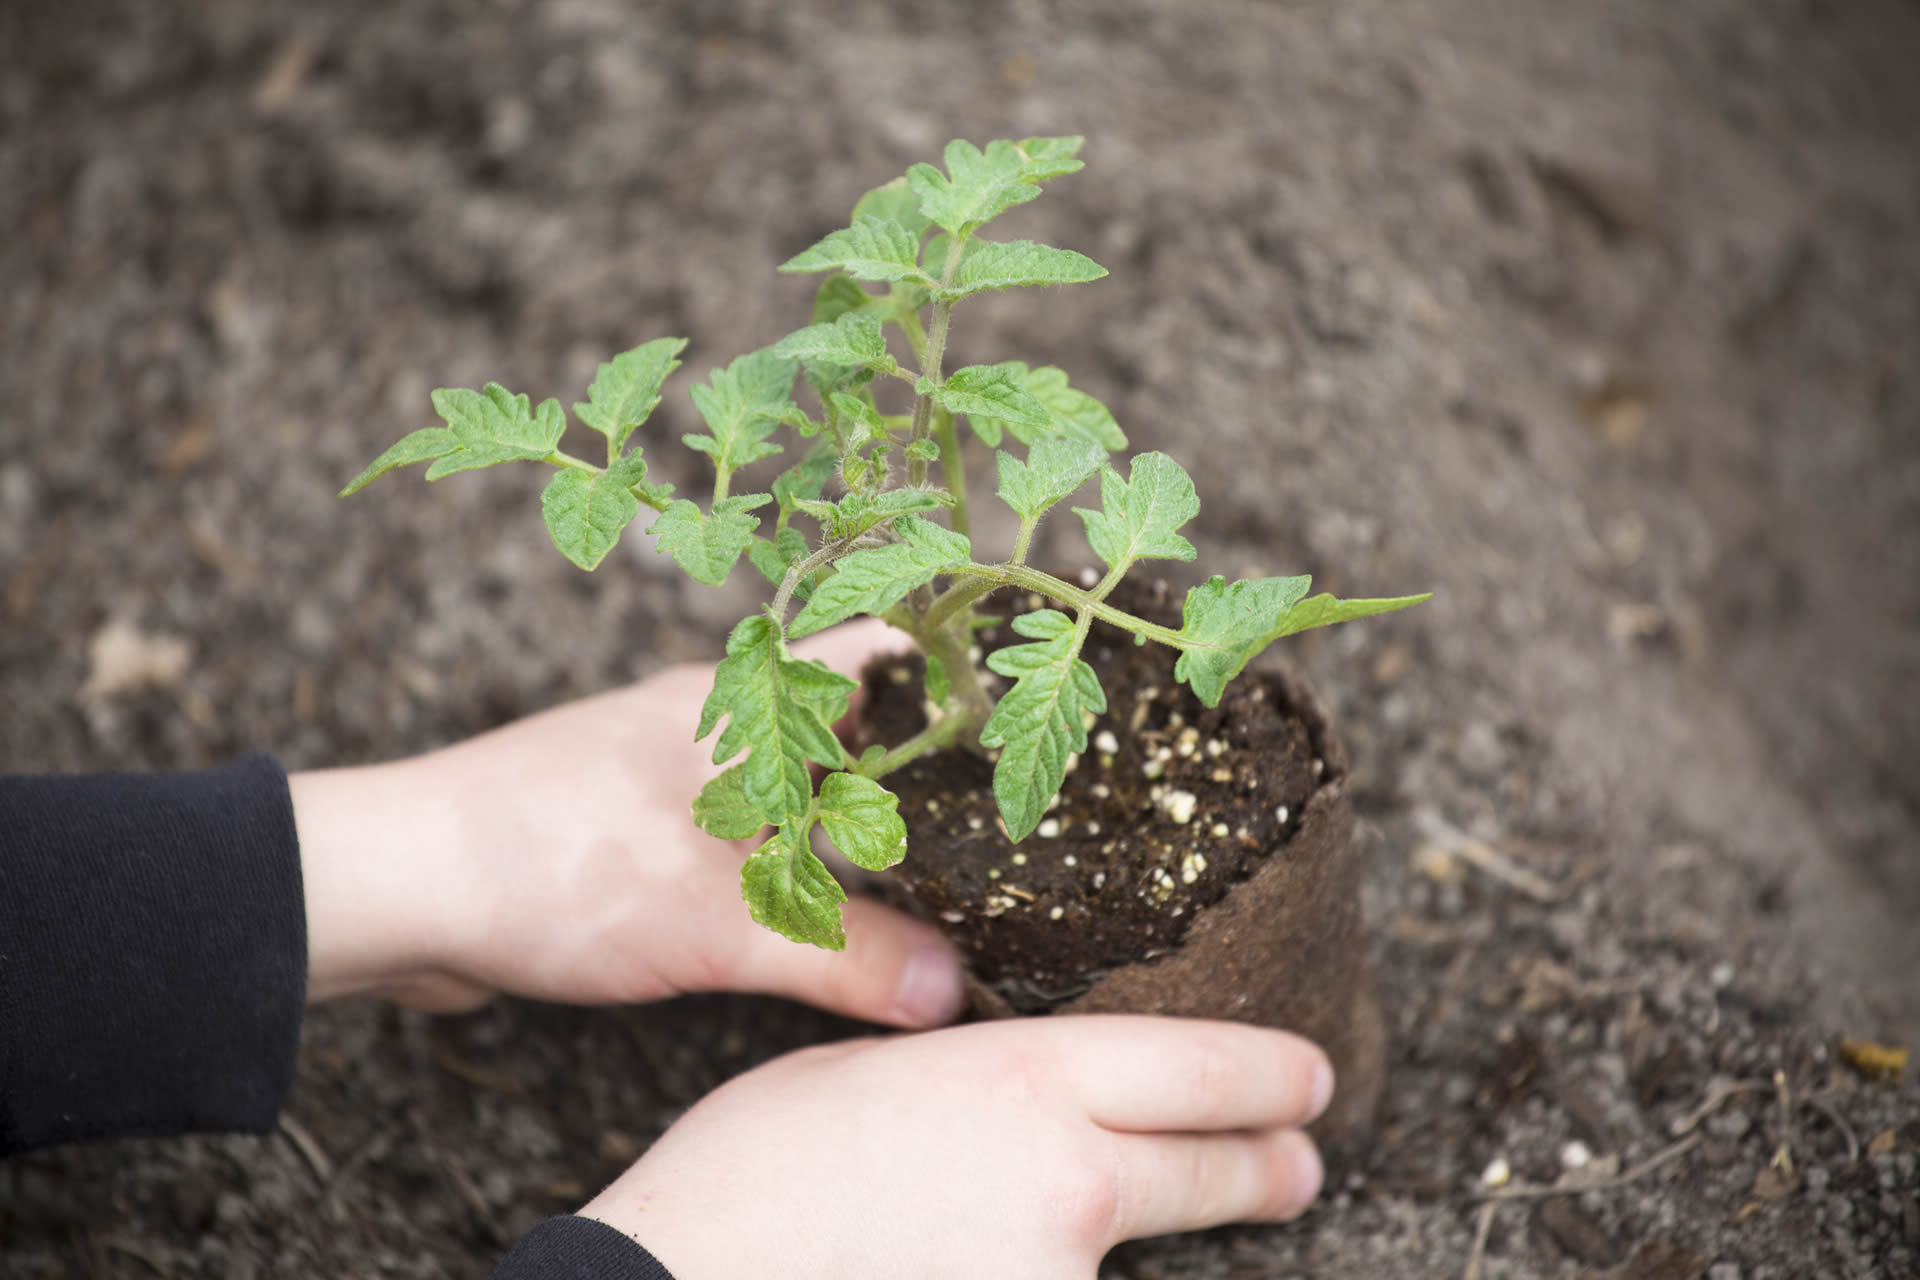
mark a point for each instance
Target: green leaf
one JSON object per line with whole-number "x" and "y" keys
{"x": 706, "y": 546}
{"x": 1226, "y": 627}
{"x": 1039, "y": 722}
{"x": 977, "y": 187}
{"x": 859, "y": 513}
{"x": 493, "y": 425}
{"x": 773, "y": 559}
{"x": 586, "y": 511}
{"x": 1138, "y": 518}
{"x": 1324, "y": 610}
{"x": 627, "y": 388}
{"x": 1054, "y": 468}
{"x": 939, "y": 684}
{"x": 807, "y": 478}
{"x": 871, "y": 249}
{"x": 989, "y": 265}
{"x": 1071, "y": 412}
{"x": 423, "y": 445}
{"x": 863, "y": 821}
{"x": 791, "y": 892}
{"x": 722, "y": 809}
{"x": 876, "y": 579}
{"x": 924, "y": 450}
{"x": 852, "y": 340}
{"x": 743, "y": 404}
{"x": 838, "y": 295}
{"x": 780, "y": 710}
{"x": 1043, "y": 158}
{"x": 894, "y": 202}
{"x": 990, "y": 390}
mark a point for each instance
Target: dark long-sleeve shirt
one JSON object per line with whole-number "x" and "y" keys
{"x": 153, "y": 970}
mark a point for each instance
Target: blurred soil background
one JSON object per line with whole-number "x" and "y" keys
{"x": 1600, "y": 321}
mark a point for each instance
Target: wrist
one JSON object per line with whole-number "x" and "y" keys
{"x": 371, "y": 840}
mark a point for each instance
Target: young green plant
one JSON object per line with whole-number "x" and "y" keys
{"x": 884, "y": 532}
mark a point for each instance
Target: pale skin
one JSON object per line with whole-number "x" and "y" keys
{"x": 556, "y": 858}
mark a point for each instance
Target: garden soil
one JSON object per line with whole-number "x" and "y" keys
{"x": 1599, "y": 321}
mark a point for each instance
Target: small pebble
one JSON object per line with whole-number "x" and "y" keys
{"x": 974, "y": 824}
{"x": 1105, "y": 743}
{"x": 1223, "y": 775}
{"x": 1575, "y": 1155}
{"x": 1101, "y": 791}
{"x": 1056, "y": 913}
{"x": 1497, "y": 1174}
{"x": 1020, "y": 859}
{"x": 1072, "y": 861}
{"x": 1089, "y": 577}
{"x": 952, "y": 917}
{"x": 1099, "y": 879}
{"x": 1722, "y": 976}
{"x": 1280, "y": 815}
{"x": 1048, "y": 830}
{"x": 1221, "y": 831}
{"x": 1153, "y": 769}
{"x": 1093, "y": 829}
{"x": 1179, "y": 805}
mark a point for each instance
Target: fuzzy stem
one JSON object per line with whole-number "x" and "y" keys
{"x": 798, "y": 574}
{"x": 951, "y": 650}
{"x": 954, "y": 468}
{"x": 940, "y": 734}
{"x": 985, "y": 577}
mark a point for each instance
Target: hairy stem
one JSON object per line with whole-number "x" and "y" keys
{"x": 936, "y": 352}
{"x": 951, "y": 650}
{"x": 798, "y": 574}
{"x": 940, "y": 734}
{"x": 982, "y": 578}
{"x": 1027, "y": 525}
{"x": 953, "y": 467}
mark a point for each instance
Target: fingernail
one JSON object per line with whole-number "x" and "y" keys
{"x": 1308, "y": 1174}
{"x": 931, "y": 989}
{"x": 1321, "y": 1090}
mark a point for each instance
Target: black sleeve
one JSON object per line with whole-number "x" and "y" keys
{"x": 153, "y": 953}
{"x": 585, "y": 1248}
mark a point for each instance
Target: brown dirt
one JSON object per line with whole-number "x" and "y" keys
{"x": 1126, "y": 874}
{"x": 1598, "y": 320}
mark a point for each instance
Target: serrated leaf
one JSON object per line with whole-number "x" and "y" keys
{"x": 773, "y": 559}
{"x": 493, "y": 425}
{"x": 807, "y": 478}
{"x": 791, "y": 892}
{"x": 837, "y": 296}
{"x": 706, "y": 546}
{"x": 586, "y": 511}
{"x": 1055, "y": 467}
{"x": 1043, "y": 158}
{"x": 1228, "y": 625}
{"x": 626, "y": 390}
{"x": 895, "y": 201}
{"x": 859, "y": 513}
{"x": 1039, "y": 722}
{"x": 722, "y": 809}
{"x": 977, "y": 187}
{"x": 423, "y": 445}
{"x": 862, "y": 819}
{"x": 924, "y": 451}
{"x": 1225, "y": 627}
{"x": 852, "y": 340}
{"x": 991, "y": 391}
{"x": 876, "y": 579}
{"x": 871, "y": 249}
{"x": 1071, "y": 412}
{"x": 743, "y": 404}
{"x": 780, "y": 710}
{"x": 988, "y": 265}
{"x": 1139, "y": 517}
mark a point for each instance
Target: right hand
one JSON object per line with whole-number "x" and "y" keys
{"x": 1018, "y": 1149}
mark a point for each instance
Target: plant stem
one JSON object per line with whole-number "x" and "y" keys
{"x": 1027, "y": 526}
{"x": 798, "y": 574}
{"x": 941, "y": 733}
{"x": 985, "y": 577}
{"x": 930, "y": 363}
{"x": 954, "y": 467}
{"x": 951, "y": 650}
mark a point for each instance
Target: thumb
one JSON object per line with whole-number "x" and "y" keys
{"x": 895, "y": 970}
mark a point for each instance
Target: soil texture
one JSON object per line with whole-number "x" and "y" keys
{"x": 1599, "y": 321}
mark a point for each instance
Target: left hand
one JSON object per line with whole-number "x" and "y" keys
{"x": 557, "y": 858}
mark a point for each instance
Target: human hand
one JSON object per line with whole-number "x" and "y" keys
{"x": 1016, "y": 1149}
{"x": 556, "y": 857}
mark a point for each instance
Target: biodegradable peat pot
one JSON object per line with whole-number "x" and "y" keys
{"x": 1202, "y": 865}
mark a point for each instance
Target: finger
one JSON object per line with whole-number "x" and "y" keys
{"x": 1165, "y": 1074}
{"x": 895, "y": 970}
{"x": 1187, "y": 1182}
